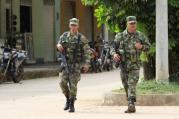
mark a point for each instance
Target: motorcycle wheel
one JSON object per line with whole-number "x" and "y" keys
{"x": 2, "y": 77}
{"x": 20, "y": 75}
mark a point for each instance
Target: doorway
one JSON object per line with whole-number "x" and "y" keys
{"x": 25, "y": 19}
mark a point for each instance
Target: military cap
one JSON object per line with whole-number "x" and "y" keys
{"x": 131, "y": 19}
{"x": 74, "y": 21}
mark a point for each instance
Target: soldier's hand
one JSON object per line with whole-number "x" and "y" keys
{"x": 138, "y": 46}
{"x": 116, "y": 58}
{"x": 86, "y": 67}
{"x": 60, "y": 47}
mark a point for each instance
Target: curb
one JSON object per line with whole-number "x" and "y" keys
{"x": 113, "y": 99}
{"x": 40, "y": 73}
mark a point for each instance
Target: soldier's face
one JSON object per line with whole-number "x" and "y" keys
{"x": 74, "y": 28}
{"x": 132, "y": 26}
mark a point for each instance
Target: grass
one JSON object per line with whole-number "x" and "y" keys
{"x": 152, "y": 87}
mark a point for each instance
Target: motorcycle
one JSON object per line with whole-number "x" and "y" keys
{"x": 12, "y": 65}
{"x": 105, "y": 59}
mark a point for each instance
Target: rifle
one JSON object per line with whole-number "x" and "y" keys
{"x": 64, "y": 64}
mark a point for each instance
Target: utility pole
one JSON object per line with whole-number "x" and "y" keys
{"x": 162, "y": 71}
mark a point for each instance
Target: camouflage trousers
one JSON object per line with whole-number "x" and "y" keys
{"x": 69, "y": 84}
{"x": 129, "y": 81}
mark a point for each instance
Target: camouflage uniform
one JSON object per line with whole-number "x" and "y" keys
{"x": 124, "y": 45}
{"x": 68, "y": 42}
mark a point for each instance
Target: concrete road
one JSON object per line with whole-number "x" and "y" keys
{"x": 91, "y": 86}
{"x": 42, "y": 99}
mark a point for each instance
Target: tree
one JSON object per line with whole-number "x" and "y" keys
{"x": 114, "y": 12}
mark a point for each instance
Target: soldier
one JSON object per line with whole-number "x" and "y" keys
{"x": 76, "y": 49}
{"x": 127, "y": 48}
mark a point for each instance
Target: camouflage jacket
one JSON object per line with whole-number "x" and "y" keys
{"x": 124, "y": 45}
{"x": 69, "y": 42}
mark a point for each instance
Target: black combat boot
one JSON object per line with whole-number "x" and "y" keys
{"x": 67, "y": 105}
{"x": 131, "y": 106}
{"x": 72, "y": 108}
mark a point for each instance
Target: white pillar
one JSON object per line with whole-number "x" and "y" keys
{"x": 162, "y": 71}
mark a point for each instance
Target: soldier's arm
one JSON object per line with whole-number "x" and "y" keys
{"x": 61, "y": 38}
{"x": 60, "y": 41}
{"x": 116, "y": 44}
{"x": 86, "y": 48}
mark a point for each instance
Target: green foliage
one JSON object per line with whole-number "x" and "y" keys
{"x": 152, "y": 87}
{"x": 142, "y": 27}
{"x": 144, "y": 57}
{"x": 174, "y": 3}
{"x": 152, "y": 49}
